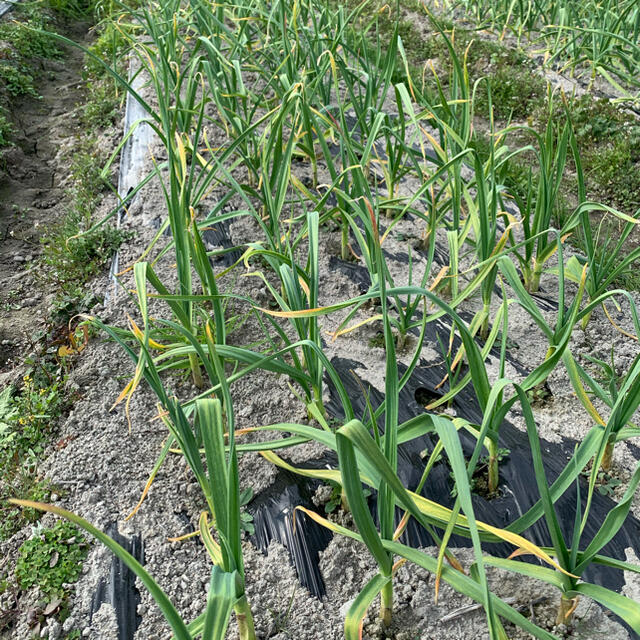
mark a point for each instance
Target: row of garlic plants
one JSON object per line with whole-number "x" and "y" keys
{"x": 242, "y": 94}
{"x": 591, "y": 39}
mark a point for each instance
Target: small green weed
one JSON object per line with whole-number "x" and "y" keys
{"x": 79, "y": 9}
{"x": 629, "y": 280}
{"x": 337, "y": 499}
{"x": 109, "y": 46}
{"x": 102, "y": 106}
{"x": 52, "y": 558}
{"x": 597, "y": 120}
{"x": 71, "y": 264}
{"x": 75, "y": 300}
{"x": 540, "y": 394}
{"x": 20, "y": 45}
{"x": 37, "y": 408}
{"x": 606, "y": 483}
{"x": 614, "y": 171}
{"x": 280, "y": 618}
{"x": 25, "y": 485}
{"x": 246, "y": 519}
{"x": 377, "y": 341}
{"x": 16, "y": 80}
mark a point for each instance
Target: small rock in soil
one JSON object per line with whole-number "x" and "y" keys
{"x": 55, "y": 629}
{"x": 68, "y": 625}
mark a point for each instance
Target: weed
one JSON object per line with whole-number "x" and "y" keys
{"x": 614, "y": 170}
{"x": 71, "y": 258}
{"x": 104, "y": 98}
{"x": 596, "y": 120}
{"x": 377, "y": 341}
{"x": 246, "y": 519}
{"x": 6, "y": 129}
{"x": 515, "y": 93}
{"x": 280, "y": 618}
{"x": 336, "y": 497}
{"x": 605, "y": 482}
{"x": 102, "y": 106}
{"x": 19, "y": 482}
{"x": 540, "y": 394}
{"x": 75, "y": 300}
{"x": 79, "y": 9}
{"x": 16, "y": 80}
{"x": 26, "y": 421}
{"x": 26, "y": 43}
{"x": 20, "y": 45}
{"x": 51, "y": 559}
{"x": 37, "y": 409}
{"x": 628, "y": 280}
{"x": 109, "y": 46}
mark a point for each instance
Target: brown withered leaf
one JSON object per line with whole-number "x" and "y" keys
{"x": 52, "y": 607}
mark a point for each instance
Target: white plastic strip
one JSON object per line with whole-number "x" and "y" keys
{"x": 132, "y": 163}
{"x": 5, "y": 7}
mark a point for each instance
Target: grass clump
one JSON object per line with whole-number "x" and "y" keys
{"x": 104, "y": 97}
{"x": 72, "y": 261}
{"x": 70, "y": 256}
{"x": 609, "y": 140}
{"x": 597, "y": 120}
{"x": 23, "y": 484}
{"x": 27, "y": 420}
{"x": 16, "y": 80}
{"x": 35, "y": 409}
{"x": 515, "y": 93}
{"x": 52, "y": 559}
{"x": 102, "y": 108}
{"x": 615, "y": 171}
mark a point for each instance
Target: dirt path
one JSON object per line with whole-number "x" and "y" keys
{"x": 33, "y": 180}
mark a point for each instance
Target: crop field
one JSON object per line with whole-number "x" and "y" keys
{"x": 320, "y": 319}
